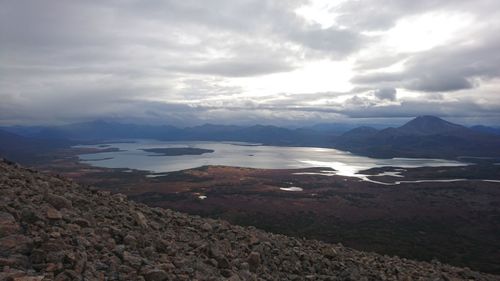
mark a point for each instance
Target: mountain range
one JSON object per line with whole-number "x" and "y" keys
{"x": 424, "y": 136}
{"x": 103, "y": 131}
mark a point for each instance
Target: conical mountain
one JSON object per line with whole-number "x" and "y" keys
{"x": 430, "y": 125}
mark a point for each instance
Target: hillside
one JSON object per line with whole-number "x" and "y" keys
{"x": 23, "y": 149}
{"x": 54, "y": 229}
{"x": 424, "y": 136}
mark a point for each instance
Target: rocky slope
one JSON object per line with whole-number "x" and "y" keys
{"x": 54, "y": 229}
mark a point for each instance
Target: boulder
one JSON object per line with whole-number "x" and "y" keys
{"x": 57, "y": 201}
{"x": 8, "y": 224}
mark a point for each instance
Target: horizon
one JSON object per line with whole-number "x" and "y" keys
{"x": 283, "y": 63}
{"x": 351, "y": 124}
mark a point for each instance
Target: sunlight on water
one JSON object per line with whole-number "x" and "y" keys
{"x": 342, "y": 169}
{"x": 292, "y": 188}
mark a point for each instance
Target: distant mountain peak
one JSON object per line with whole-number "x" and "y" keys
{"x": 428, "y": 117}
{"x": 429, "y": 125}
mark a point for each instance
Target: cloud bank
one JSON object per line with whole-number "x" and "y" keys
{"x": 245, "y": 62}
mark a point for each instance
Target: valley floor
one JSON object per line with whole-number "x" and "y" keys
{"x": 453, "y": 222}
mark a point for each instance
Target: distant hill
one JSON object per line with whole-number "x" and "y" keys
{"x": 25, "y": 131}
{"x": 424, "y": 136}
{"x": 103, "y": 130}
{"x": 20, "y": 148}
{"x": 337, "y": 129}
{"x": 486, "y": 129}
{"x": 360, "y": 132}
{"x": 331, "y": 128}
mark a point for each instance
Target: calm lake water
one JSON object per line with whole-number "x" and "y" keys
{"x": 248, "y": 155}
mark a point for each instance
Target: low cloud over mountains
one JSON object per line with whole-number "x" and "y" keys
{"x": 279, "y": 62}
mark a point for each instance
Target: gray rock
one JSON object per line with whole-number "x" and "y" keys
{"x": 81, "y": 222}
{"x": 156, "y": 275}
{"x": 57, "y": 201}
{"x": 254, "y": 261}
{"x": 53, "y": 214}
{"x": 8, "y": 224}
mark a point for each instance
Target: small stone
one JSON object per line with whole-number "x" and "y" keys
{"x": 253, "y": 239}
{"x": 130, "y": 240}
{"x": 37, "y": 256}
{"x": 82, "y": 222}
{"x": 55, "y": 235}
{"x": 132, "y": 260}
{"x": 58, "y": 202}
{"x": 15, "y": 244}
{"x": 168, "y": 266}
{"x": 226, "y": 273}
{"x": 8, "y": 224}
{"x": 120, "y": 197}
{"x": 206, "y": 227}
{"x": 244, "y": 266}
{"x": 156, "y": 275}
{"x": 15, "y": 261}
{"x": 29, "y": 216}
{"x": 119, "y": 249}
{"x": 51, "y": 267}
{"x": 223, "y": 263}
{"x": 254, "y": 261}
{"x": 29, "y": 278}
{"x": 67, "y": 275}
{"x": 141, "y": 220}
{"x": 329, "y": 252}
{"x": 53, "y": 214}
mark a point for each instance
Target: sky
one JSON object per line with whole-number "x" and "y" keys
{"x": 289, "y": 62}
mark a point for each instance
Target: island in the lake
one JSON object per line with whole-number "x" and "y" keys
{"x": 177, "y": 151}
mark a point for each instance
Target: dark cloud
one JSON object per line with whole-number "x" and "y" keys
{"x": 443, "y": 69}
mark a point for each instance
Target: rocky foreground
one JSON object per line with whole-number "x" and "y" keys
{"x": 54, "y": 229}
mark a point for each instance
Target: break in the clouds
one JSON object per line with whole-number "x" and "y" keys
{"x": 253, "y": 61}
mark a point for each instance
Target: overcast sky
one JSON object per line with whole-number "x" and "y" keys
{"x": 249, "y": 61}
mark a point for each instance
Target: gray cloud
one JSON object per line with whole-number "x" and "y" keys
{"x": 386, "y": 94}
{"x": 443, "y": 69}
{"x": 171, "y": 61}
{"x": 383, "y": 14}
{"x": 336, "y": 42}
{"x": 408, "y": 109}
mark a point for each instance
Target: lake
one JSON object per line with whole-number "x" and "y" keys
{"x": 131, "y": 155}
